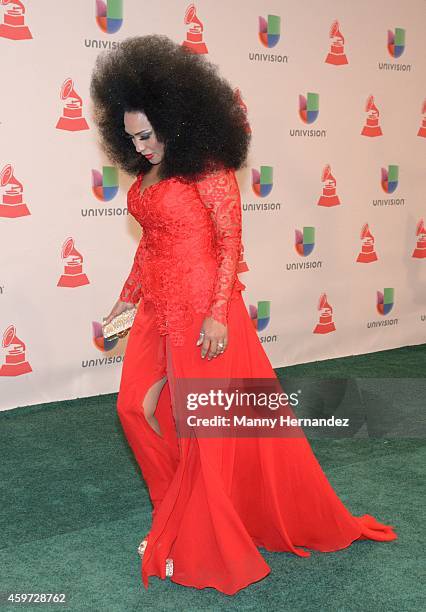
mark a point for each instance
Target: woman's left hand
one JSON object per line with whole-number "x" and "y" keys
{"x": 213, "y": 337}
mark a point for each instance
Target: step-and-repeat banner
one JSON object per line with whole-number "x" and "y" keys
{"x": 333, "y": 194}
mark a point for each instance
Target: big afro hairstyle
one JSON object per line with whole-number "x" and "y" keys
{"x": 194, "y": 111}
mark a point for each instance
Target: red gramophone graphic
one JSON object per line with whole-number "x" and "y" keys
{"x": 72, "y": 115}
{"x": 325, "y": 324}
{"x": 242, "y": 265}
{"x": 329, "y": 196}
{"x": 12, "y": 204}
{"x": 371, "y": 127}
{"x": 422, "y": 128}
{"x": 336, "y": 55}
{"x": 367, "y": 253}
{"x": 420, "y": 250}
{"x": 15, "y": 363}
{"x": 73, "y": 275}
{"x": 194, "y": 36}
{"x": 243, "y": 105}
{"x": 13, "y": 26}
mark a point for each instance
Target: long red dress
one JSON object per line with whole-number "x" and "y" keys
{"x": 215, "y": 500}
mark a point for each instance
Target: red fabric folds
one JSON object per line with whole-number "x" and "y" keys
{"x": 216, "y": 501}
{"x": 225, "y": 497}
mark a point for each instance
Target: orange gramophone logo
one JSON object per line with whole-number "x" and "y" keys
{"x": 13, "y": 26}
{"x": 72, "y": 114}
{"x": 371, "y": 126}
{"x": 12, "y": 204}
{"x": 325, "y": 324}
{"x": 15, "y": 363}
{"x": 329, "y": 196}
{"x": 367, "y": 253}
{"x": 336, "y": 55}
{"x": 420, "y": 250}
{"x": 73, "y": 275}
{"x": 422, "y": 129}
{"x": 194, "y": 36}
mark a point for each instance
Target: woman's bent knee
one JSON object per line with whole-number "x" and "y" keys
{"x": 142, "y": 400}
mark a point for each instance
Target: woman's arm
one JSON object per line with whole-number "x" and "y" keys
{"x": 132, "y": 288}
{"x": 220, "y": 194}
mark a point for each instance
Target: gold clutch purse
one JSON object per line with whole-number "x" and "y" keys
{"x": 120, "y": 325}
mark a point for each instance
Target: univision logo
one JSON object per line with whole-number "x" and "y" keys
{"x": 105, "y": 185}
{"x": 262, "y": 182}
{"x": 304, "y": 244}
{"x": 260, "y": 314}
{"x": 309, "y": 107}
{"x": 385, "y": 300}
{"x": 101, "y": 343}
{"x": 396, "y": 42}
{"x": 396, "y": 47}
{"x": 109, "y": 15}
{"x": 305, "y": 241}
{"x": 269, "y": 30}
{"x": 389, "y": 178}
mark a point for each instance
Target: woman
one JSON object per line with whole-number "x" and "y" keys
{"x": 167, "y": 117}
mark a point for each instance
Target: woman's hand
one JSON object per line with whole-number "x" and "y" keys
{"x": 117, "y": 309}
{"x": 213, "y": 337}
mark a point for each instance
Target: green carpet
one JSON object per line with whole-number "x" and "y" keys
{"x": 74, "y": 508}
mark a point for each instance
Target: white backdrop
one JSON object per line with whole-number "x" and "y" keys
{"x": 51, "y": 347}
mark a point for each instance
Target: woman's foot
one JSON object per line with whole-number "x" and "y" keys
{"x": 169, "y": 562}
{"x": 169, "y": 568}
{"x": 142, "y": 546}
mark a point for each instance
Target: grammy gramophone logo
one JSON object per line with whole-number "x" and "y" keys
{"x": 336, "y": 56}
{"x": 13, "y": 26}
{"x": 15, "y": 362}
{"x": 194, "y": 36}
{"x": 371, "y": 126}
{"x": 367, "y": 253}
{"x": 329, "y": 195}
{"x": 72, "y": 114}
{"x": 12, "y": 204}
{"x": 422, "y": 129}
{"x": 420, "y": 250}
{"x": 73, "y": 275}
{"x": 325, "y": 324}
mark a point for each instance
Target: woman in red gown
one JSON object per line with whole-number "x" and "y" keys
{"x": 166, "y": 116}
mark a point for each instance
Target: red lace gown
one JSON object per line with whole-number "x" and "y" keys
{"x": 215, "y": 501}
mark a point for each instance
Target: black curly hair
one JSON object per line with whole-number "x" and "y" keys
{"x": 193, "y": 110}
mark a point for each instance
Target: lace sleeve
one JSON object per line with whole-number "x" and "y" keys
{"x": 132, "y": 288}
{"x": 220, "y": 194}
